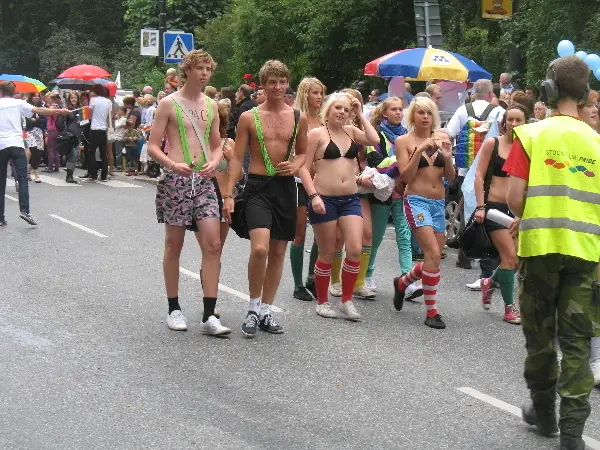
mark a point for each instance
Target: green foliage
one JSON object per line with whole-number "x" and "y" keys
{"x": 59, "y": 53}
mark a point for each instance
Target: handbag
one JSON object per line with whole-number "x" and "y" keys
{"x": 238, "y": 217}
{"x": 66, "y": 141}
{"x": 474, "y": 240}
{"x": 110, "y": 131}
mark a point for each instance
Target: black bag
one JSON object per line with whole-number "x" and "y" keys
{"x": 238, "y": 218}
{"x": 474, "y": 240}
{"x": 66, "y": 141}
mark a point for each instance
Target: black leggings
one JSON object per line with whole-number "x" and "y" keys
{"x": 36, "y": 157}
{"x": 97, "y": 140}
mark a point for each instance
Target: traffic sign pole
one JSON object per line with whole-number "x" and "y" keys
{"x": 162, "y": 28}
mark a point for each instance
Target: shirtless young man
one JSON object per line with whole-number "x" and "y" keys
{"x": 185, "y": 196}
{"x": 271, "y": 212}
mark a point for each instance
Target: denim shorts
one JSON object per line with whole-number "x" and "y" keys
{"x": 425, "y": 212}
{"x": 336, "y": 206}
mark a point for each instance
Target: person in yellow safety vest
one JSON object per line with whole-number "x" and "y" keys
{"x": 554, "y": 188}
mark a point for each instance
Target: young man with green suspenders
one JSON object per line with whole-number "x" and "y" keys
{"x": 269, "y": 130}
{"x": 185, "y": 196}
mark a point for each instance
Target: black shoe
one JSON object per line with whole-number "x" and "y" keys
{"x": 250, "y": 324}
{"x": 302, "y": 293}
{"x": 571, "y": 443}
{"x": 310, "y": 286}
{"x": 85, "y": 176}
{"x": 435, "y": 322}
{"x": 398, "y": 295}
{"x": 418, "y": 257}
{"x": 269, "y": 325}
{"x": 464, "y": 265}
{"x": 70, "y": 178}
{"x": 546, "y": 423}
{"x": 27, "y": 218}
{"x": 3, "y": 223}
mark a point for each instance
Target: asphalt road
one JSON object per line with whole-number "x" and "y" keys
{"x": 88, "y": 362}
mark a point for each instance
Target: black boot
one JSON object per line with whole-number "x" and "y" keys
{"x": 571, "y": 443}
{"x": 70, "y": 177}
{"x": 545, "y": 422}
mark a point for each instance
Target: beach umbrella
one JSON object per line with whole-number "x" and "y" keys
{"x": 427, "y": 64}
{"x": 23, "y": 83}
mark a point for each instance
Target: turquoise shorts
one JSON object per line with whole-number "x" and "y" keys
{"x": 425, "y": 212}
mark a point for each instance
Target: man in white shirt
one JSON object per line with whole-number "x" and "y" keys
{"x": 101, "y": 108}
{"x": 12, "y": 146}
{"x": 483, "y": 92}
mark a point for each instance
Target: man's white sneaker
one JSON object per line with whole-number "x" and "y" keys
{"x": 213, "y": 327}
{"x": 413, "y": 291}
{"x": 475, "y": 286}
{"x": 176, "y": 321}
{"x": 335, "y": 290}
{"x": 370, "y": 284}
{"x": 325, "y": 310}
{"x": 348, "y": 311}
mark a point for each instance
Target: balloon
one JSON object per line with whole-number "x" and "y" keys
{"x": 597, "y": 73}
{"x": 111, "y": 87}
{"x": 593, "y": 61}
{"x": 565, "y": 48}
{"x": 581, "y": 54}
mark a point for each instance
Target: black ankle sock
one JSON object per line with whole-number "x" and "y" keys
{"x": 209, "y": 307}
{"x": 173, "y": 304}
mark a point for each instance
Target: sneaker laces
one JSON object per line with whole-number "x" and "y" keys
{"x": 177, "y": 316}
{"x": 512, "y": 309}
{"x": 251, "y": 320}
{"x": 350, "y": 308}
{"x": 270, "y": 321}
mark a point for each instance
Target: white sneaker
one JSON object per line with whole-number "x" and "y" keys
{"x": 370, "y": 284}
{"x": 364, "y": 292}
{"x": 213, "y": 327}
{"x": 349, "y": 311}
{"x": 335, "y": 290}
{"x": 176, "y": 321}
{"x": 413, "y": 291}
{"x": 595, "y": 365}
{"x": 325, "y": 310}
{"x": 475, "y": 286}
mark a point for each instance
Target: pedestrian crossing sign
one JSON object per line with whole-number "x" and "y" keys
{"x": 176, "y": 45}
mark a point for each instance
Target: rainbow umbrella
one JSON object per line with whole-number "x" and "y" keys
{"x": 427, "y": 64}
{"x": 23, "y": 83}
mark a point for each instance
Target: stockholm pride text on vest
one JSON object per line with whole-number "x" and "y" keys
{"x": 572, "y": 157}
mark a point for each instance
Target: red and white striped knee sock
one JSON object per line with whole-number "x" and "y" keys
{"x": 350, "y": 271}
{"x": 430, "y": 284}
{"x": 415, "y": 274}
{"x": 322, "y": 277}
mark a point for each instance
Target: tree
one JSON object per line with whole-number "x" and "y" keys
{"x": 65, "y": 49}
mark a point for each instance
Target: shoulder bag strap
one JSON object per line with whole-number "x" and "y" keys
{"x": 487, "y": 111}
{"x": 470, "y": 110}
{"x": 195, "y": 124}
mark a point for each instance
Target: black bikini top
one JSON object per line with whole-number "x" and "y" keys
{"x": 497, "y": 162}
{"x": 437, "y": 162}
{"x": 332, "y": 151}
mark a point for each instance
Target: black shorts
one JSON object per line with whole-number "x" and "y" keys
{"x": 302, "y": 195}
{"x": 490, "y": 225}
{"x": 273, "y": 207}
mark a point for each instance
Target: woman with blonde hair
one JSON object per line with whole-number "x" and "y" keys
{"x": 309, "y": 100}
{"x": 387, "y": 120}
{"x": 333, "y": 149}
{"x": 424, "y": 157}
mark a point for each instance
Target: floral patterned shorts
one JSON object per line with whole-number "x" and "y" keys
{"x": 181, "y": 201}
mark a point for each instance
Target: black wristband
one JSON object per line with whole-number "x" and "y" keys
{"x": 311, "y": 196}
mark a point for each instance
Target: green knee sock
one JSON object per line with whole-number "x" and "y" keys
{"x": 314, "y": 254}
{"x": 494, "y": 276}
{"x": 297, "y": 260}
{"x": 506, "y": 279}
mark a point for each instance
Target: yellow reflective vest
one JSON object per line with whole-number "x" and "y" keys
{"x": 562, "y": 207}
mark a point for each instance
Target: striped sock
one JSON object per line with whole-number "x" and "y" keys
{"x": 415, "y": 274}
{"x": 349, "y": 276}
{"x": 322, "y": 276}
{"x": 430, "y": 284}
{"x": 336, "y": 267}
{"x": 365, "y": 256}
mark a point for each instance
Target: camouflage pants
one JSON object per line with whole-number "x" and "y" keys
{"x": 556, "y": 299}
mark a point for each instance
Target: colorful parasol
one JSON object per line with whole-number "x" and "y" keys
{"x": 23, "y": 83}
{"x": 84, "y": 72}
{"x": 427, "y": 64}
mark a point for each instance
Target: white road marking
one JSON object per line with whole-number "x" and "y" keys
{"x": 119, "y": 184}
{"x": 10, "y": 182}
{"x": 591, "y": 443}
{"x": 11, "y": 198}
{"x": 54, "y": 181}
{"x": 227, "y": 289}
{"x": 76, "y": 225}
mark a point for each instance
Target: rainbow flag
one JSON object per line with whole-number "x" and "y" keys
{"x": 469, "y": 142}
{"x": 85, "y": 113}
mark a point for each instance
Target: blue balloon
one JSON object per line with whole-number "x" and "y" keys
{"x": 565, "y": 48}
{"x": 581, "y": 54}
{"x": 593, "y": 62}
{"x": 597, "y": 73}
